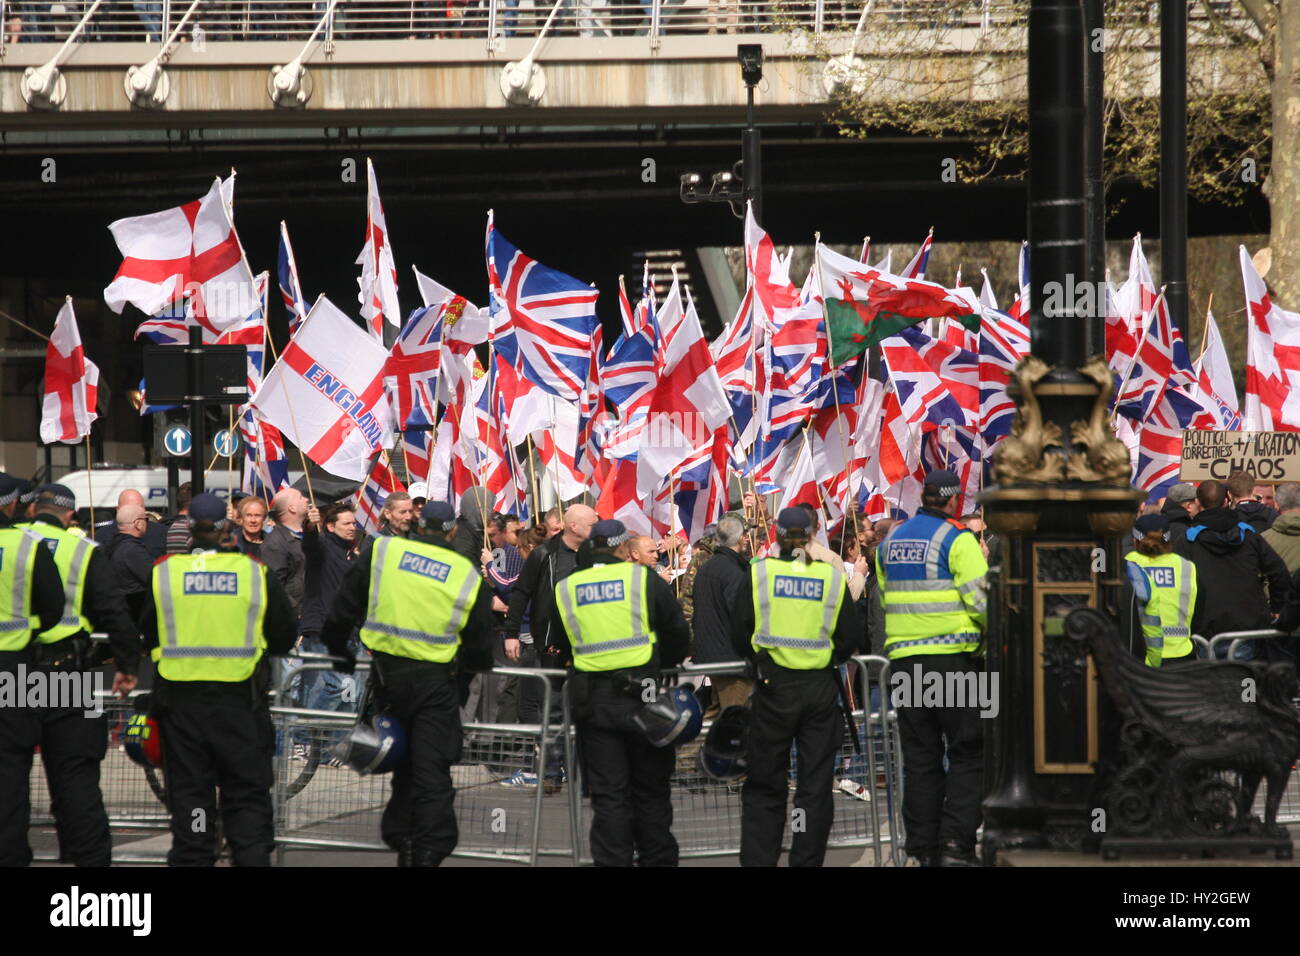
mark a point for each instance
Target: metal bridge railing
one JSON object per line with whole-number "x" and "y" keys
{"x": 221, "y": 21}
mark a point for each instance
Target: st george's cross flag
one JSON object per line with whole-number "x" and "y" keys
{"x": 71, "y": 383}
{"x": 188, "y": 251}
{"x": 326, "y": 394}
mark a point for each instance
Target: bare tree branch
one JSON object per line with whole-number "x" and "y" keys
{"x": 1264, "y": 13}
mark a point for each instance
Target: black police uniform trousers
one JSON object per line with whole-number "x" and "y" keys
{"x": 73, "y": 745}
{"x": 424, "y": 698}
{"x": 628, "y": 779}
{"x": 941, "y": 809}
{"x": 800, "y": 707}
{"x": 217, "y": 738}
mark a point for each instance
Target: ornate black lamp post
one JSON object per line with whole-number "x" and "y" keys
{"x": 1062, "y": 498}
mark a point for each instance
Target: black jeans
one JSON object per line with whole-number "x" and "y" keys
{"x": 424, "y": 698}
{"x": 631, "y": 802}
{"x": 941, "y": 808}
{"x": 530, "y": 708}
{"x": 801, "y": 707}
{"x": 217, "y": 740}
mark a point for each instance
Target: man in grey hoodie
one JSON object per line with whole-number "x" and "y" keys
{"x": 1284, "y": 535}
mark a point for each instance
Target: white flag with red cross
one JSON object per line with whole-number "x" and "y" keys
{"x": 71, "y": 383}
{"x": 326, "y": 394}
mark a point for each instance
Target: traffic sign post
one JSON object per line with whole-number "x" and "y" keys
{"x": 211, "y": 374}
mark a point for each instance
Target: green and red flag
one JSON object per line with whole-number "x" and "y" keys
{"x": 865, "y": 305}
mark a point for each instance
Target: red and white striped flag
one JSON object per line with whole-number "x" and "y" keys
{"x": 378, "y": 280}
{"x": 71, "y": 383}
{"x": 186, "y": 251}
{"x": 326, "y": 394}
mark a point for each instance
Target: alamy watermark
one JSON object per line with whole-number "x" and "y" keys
{"x": 40, "y": 688}
{"x": 951, "y": 689}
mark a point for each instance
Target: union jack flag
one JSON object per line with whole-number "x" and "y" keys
{"x": 553, "y": 316}
{"x": 1160, "y": 441}
{"x": 915, "y": 269}
{"x": 413, "y": 366}
{"x": 370, "y": 497}
{"x": 1003, "y": 342}
{"x": 290, "y": 287}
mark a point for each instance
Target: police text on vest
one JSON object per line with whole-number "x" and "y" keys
{"x": 957, "y": 689}
{"x": 907, "y": 552}
{"x": 804, "y": 589}
{"x": 77, "y": 909}
{"x": 211, "y": 582}
{"x": 1161, "y": 577}
{"x": 426, "y": 566}
{"x": 597, "y": 592}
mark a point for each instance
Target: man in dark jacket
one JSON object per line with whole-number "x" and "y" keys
{"x": 282, "y": 545}
{"x": 1249, "y": 506}
{"x": 533, "y": 597}
{"x": 155, "y": 532}
{"x": 132, "y": 563}
{"x": 328, "y": 553}
{"x": 1180, "y": 505}
{"x": 716, "y": 587}
{"x": 1233, "y": 563}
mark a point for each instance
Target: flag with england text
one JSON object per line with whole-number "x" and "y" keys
{"x": 326, "y": 394}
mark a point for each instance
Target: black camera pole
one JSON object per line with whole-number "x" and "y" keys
{"x": 197, "y": 448}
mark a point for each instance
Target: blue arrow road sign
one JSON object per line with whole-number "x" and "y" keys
{"x": 177, "y": 440}
{"x": 226, "y": 443}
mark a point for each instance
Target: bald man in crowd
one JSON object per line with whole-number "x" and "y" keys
{"x": 641, "y": 549}
{"x": 131, "y": 560}
{"x": 155, "y": 534}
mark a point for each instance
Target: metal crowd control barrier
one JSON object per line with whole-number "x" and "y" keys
{"x": 502, "y": 815}
{"x": 320, "y": 804}
{"x": 706, "y": 812}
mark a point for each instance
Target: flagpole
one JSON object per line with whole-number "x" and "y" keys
{"x": 270, "y": 343}
{"x": 24, "y": 325}
{"x": 90, "y": 492}
{"x": 306, "y": 472}
{"x": 835, "y": 391}
{"x": 532, "y": 479}
{"x": 1205, "y": 333}
{"x": 230, "y": 459}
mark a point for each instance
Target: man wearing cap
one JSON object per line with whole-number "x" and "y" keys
{"x": 210, "y": 619}
{"x": 1164, "y": 590}
{"x": 422, "y": 611}
{"x": 932, "y": 577}
{"x": 619, "y": 623}
{"x": 72, "y": 744}
{"x": 31, "y": 601}
{"x": 1179, "y": 510}
{"x": 794, "y": 617}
